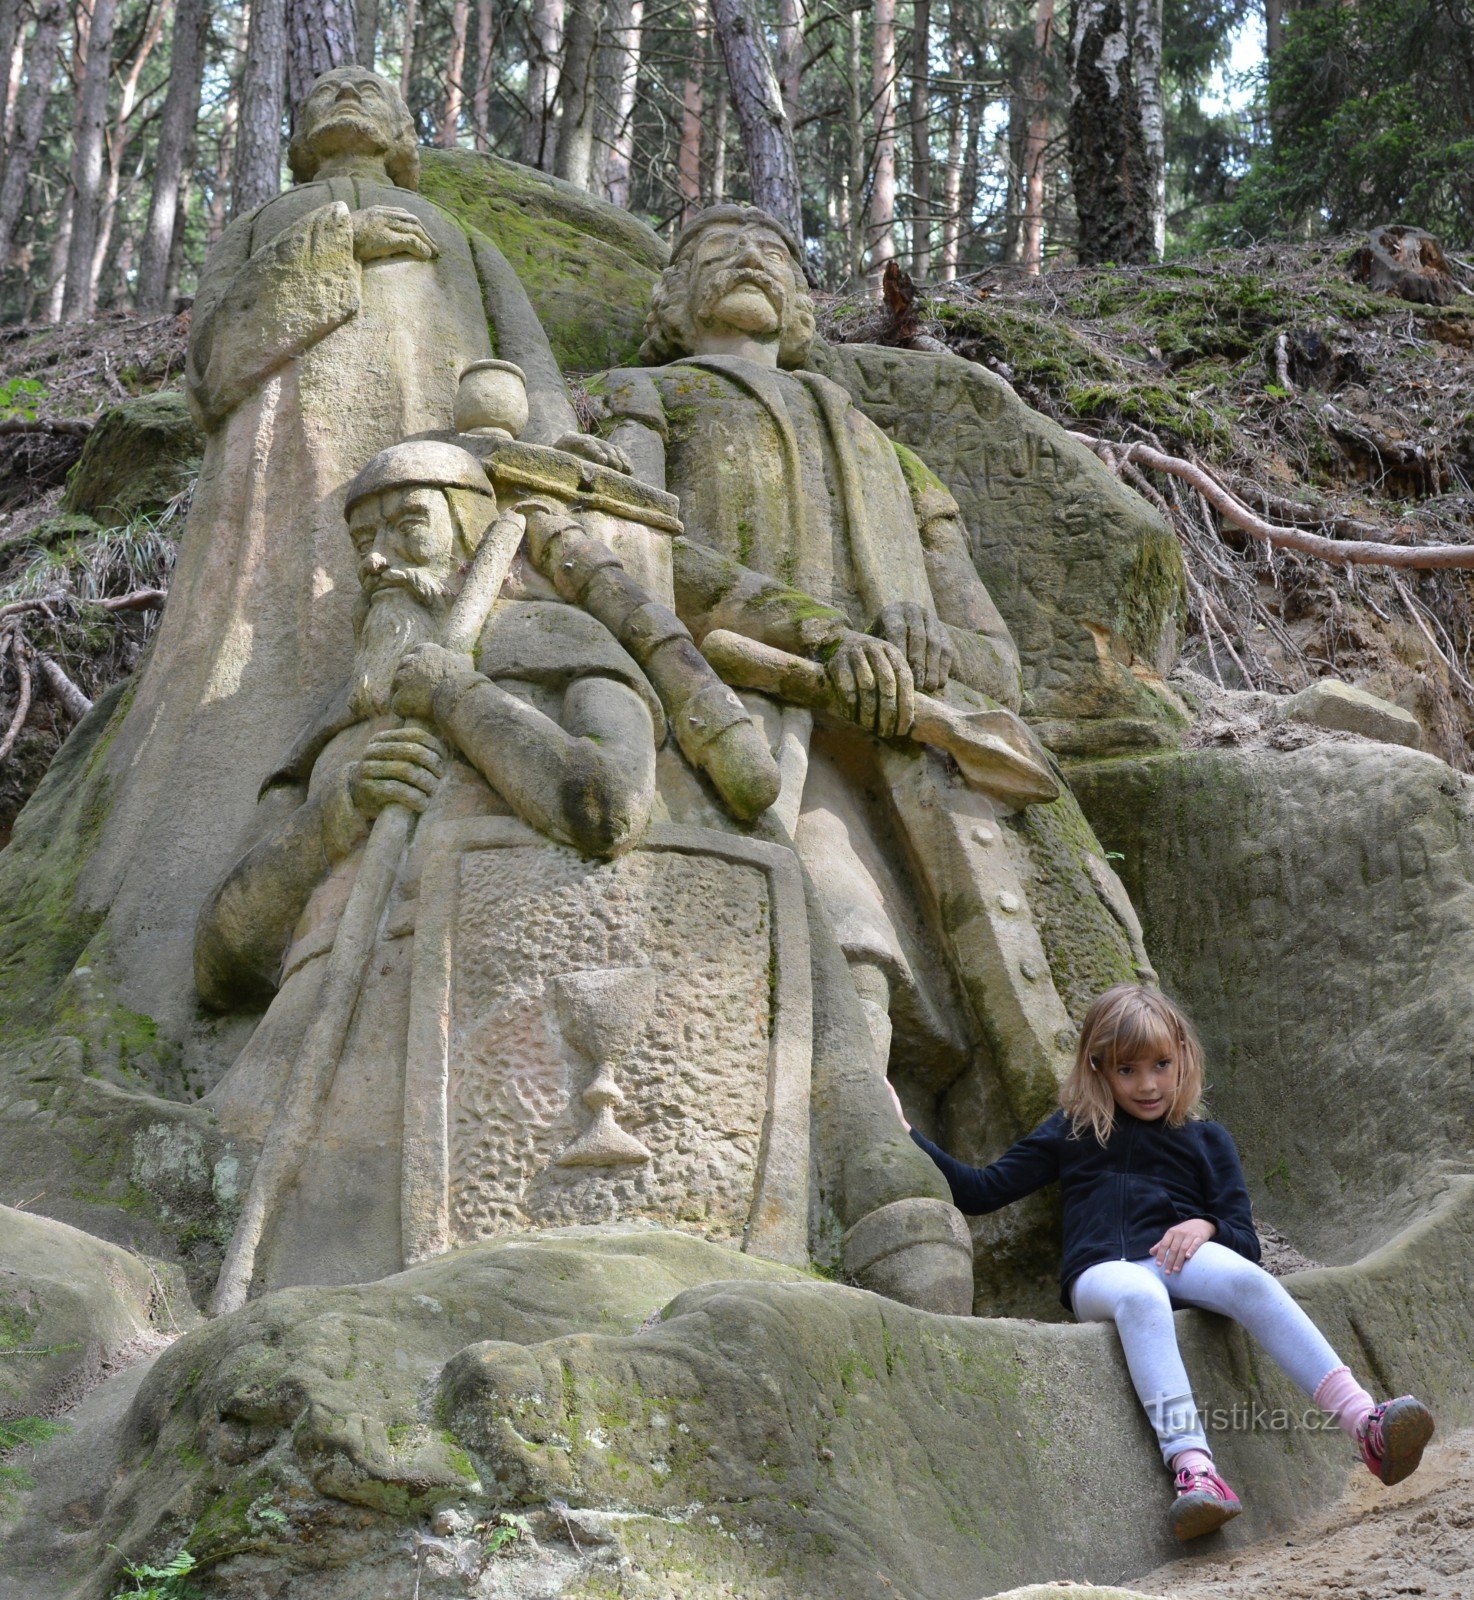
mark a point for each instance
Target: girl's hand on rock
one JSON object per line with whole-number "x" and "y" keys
{"x": 896, "y": 1101}
{"x": 1180, "y": 1243}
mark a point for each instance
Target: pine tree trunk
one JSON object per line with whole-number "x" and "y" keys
{"x": 56, "y": 271}
{"x": 176, "y": 135}
{"x": 258, "y": 142}
{"x": 481, "y": 89}
{"x": 881, "y": 233}
{"x": 977, "y": 107}
{"x": 952, "y": 178}
{"x": 693, "y": 107}
{"x": 573, "y": 160}
{"x": 87, "y": 142}
{"x": 1109, "y": 166}
{"x": 544, "y": 42}
{"x": 455, "y": 74}
{"x": 407, "y": 50}
{"x": 790, "y": 56}
{"x": 30, "y": 115}
{"x": 10, "y": 65}
{"x": 1036, "y": 141}
{"x": 366, "y": 31}
{"x": 767, "y": 135}
{"x": 321, "y": 35}
{"x": 920, "y": 112}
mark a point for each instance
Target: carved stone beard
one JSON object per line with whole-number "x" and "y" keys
{"x": 724, "y": 280}
{"x": 390, "y": 621}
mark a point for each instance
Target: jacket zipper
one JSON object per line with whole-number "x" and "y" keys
{"x": 1122, "y": 1176}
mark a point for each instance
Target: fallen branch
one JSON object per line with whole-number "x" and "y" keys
{"x": 71, "y": 698}
{"x": 22, "y": 699}
{"x": 1357, "y": 552}
{"x": 65, "y": 427}
{"x": 138, "y": 600}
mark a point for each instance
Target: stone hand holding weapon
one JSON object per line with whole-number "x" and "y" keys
{"x": 312, "y": 1075}
{"x": 994, "y": 749}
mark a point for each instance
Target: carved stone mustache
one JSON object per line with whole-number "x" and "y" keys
{"x": 723, "y": 282}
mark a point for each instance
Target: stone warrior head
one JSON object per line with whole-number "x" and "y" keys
{"x": 735, "y": 284}
{"x": 416, "y": 514}
{"x": 353, "y": 112}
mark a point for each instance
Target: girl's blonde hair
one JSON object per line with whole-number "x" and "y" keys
{"x": 1129, "y": 1022}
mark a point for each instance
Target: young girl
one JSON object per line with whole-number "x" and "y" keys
{"x": 1156, "y": 1216}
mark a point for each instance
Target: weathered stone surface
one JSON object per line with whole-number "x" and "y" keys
{"x": 141, "y": 454}
{"x": 1087, "y": 576}
{"x": 666, "y": 1413}
{"x": 1343, "y": 708}
{"x": 1313, "y": 909}
{"x": 588, "y": 266}
{"x": 72, "y": 1309}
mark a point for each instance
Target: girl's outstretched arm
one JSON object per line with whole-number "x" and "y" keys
{"x": 1024, "y": 1167}
{"x": 1226, "y": 1196}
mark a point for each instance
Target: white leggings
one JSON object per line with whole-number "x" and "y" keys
{"x": 1139, "y": 1298}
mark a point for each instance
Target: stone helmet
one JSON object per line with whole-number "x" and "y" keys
{"x": 432, "y": 464}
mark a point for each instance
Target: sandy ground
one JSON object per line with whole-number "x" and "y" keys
{"x": 1374, "y": 1544}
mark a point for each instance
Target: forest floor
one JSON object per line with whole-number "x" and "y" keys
{"x": 1373, "y": 1544}
{"x": 1320, "y": 404}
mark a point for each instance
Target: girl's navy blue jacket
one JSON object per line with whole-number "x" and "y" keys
{"x": 1119, "y": 1197}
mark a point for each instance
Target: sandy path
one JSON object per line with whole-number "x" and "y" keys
{"x": 1374, "y": 1544}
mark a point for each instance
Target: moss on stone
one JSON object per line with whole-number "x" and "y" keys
{"x": 588, "y": 267}
{"x": 141, "y": 454}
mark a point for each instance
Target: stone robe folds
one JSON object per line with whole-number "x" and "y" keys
{"x": 303, "y": 363}
{"x": 340, "y": 1221}
{"x": 778, "y": 471}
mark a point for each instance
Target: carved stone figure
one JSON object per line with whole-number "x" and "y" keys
{"x": 330, "y": 323}
{"x": 553, "y": 724}
{"x": 808, "y": 529}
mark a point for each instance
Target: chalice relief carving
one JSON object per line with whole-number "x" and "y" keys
{"x": 602, "y": 1015}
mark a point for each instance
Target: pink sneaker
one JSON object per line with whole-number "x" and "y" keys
{"x": 1204, "y": 1503}
{"x": 1392, "y": 1438}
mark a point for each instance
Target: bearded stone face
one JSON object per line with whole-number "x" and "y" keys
{"x": 742, "y": 280}
{"x": 351, "y": 111}
{"x": 408, "y": 558}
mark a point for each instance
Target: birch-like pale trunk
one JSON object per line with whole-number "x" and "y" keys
{"x": 882, "y": 228}
{"x": 88, "y": 129}
{"x": 56, "y": 271}
{"x": 920, "y": 116}
{"x": 573, "y": 158}
{"x": 790, "y": 64}
{"x": 719, "y": 146}
{"x": 1146, "y": 69}
{"x": 544, "y": 44}
{"x": 1109, "y": 167}
{"x": 30, "y": 115}
{"x": 176, "y": 136}
{"x": 855, "y": 129}
{"x": 256, "y": 175}
{"x": 118, "y": 140}
{"x": 407, "y": 49}
{"x": 952, "y": 172}
{"x": 455, "y": 74}
{"x": 693, "y": 108}
{"x": 767, "y": 134}
{"x": 1036, "y": 141}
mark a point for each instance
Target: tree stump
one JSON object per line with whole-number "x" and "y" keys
{"x": 1406, "y": 262}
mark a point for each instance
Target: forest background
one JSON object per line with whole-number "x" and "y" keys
{"x": 1144, "y": 215}
{"x": 951, "y": 134}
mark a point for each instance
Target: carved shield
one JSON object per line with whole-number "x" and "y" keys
{"x": 601, "y": 1041}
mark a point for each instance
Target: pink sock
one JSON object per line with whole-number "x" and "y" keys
{"x": 1340, "y": 1394}
{"x": 1193, "y": 1461}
